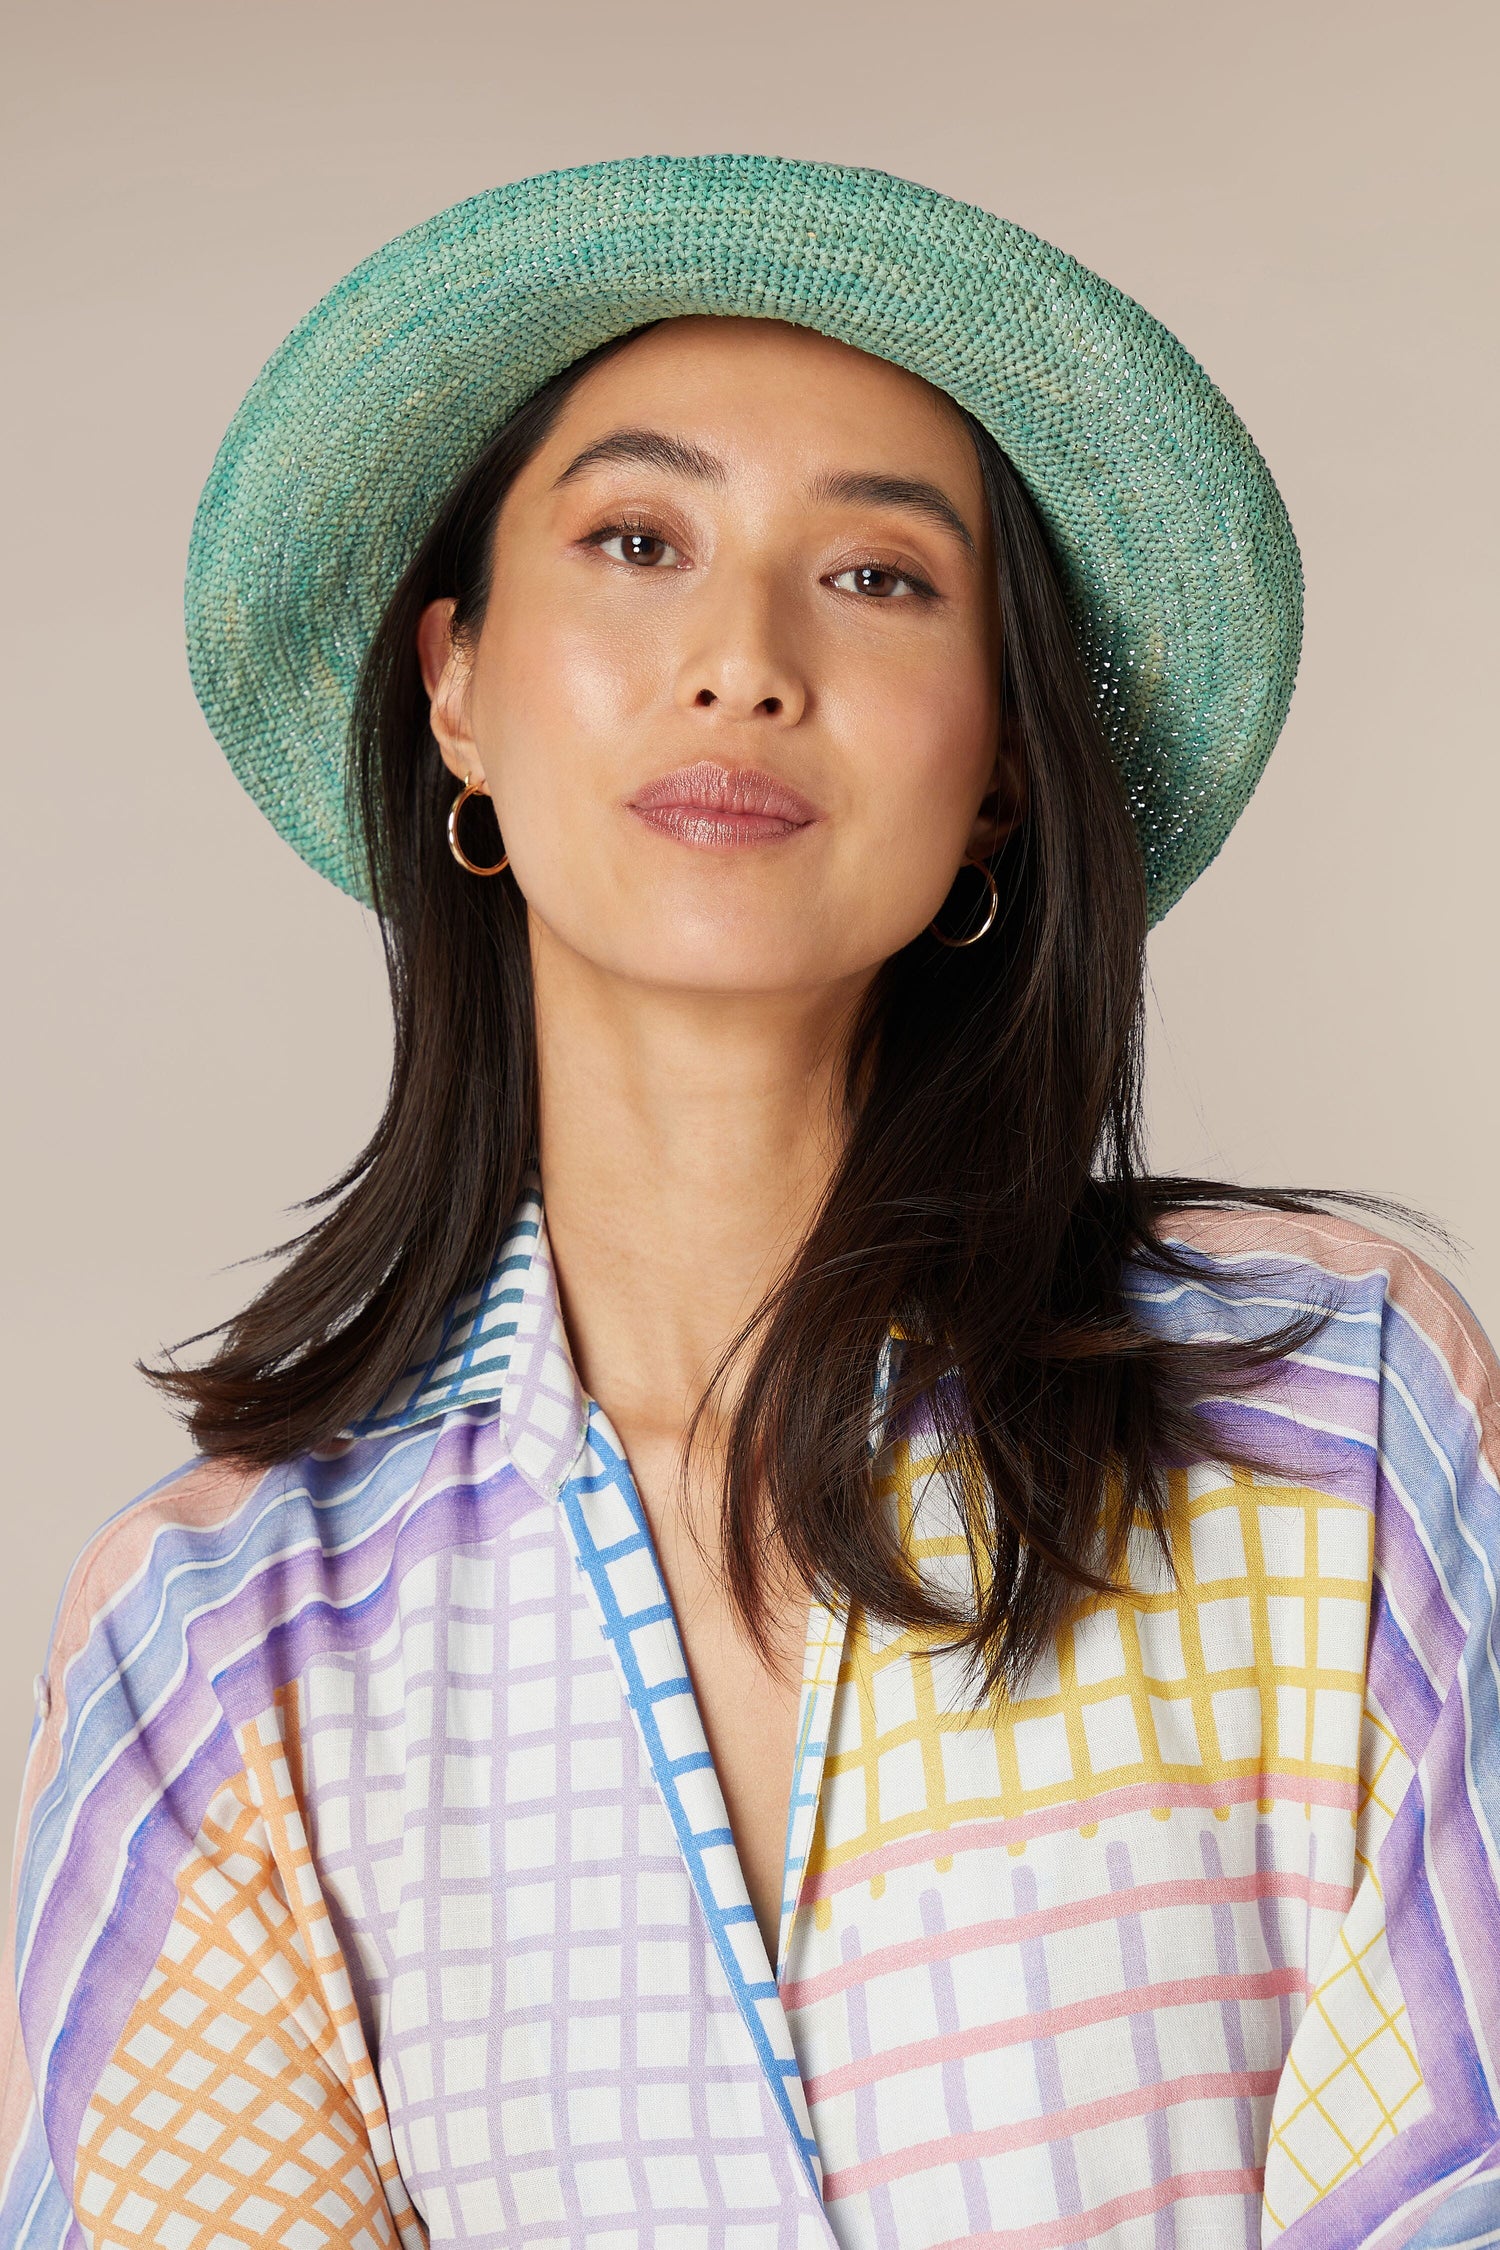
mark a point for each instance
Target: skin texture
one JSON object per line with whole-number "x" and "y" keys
{"x": 730, "y": 602}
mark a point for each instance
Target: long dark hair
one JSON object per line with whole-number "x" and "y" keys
{"x": 992, "y": 1186}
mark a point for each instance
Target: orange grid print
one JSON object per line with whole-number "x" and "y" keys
{"x": 241, "y": 2106}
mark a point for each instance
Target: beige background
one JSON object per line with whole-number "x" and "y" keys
{"x": 196, "y": 1023}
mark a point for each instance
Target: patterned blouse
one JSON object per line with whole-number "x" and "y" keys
{"x": 373, "y": 1883}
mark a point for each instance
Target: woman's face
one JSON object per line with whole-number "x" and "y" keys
{"x": 735, "y": 696}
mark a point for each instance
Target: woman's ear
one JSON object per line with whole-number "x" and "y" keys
{"x": 1003, "y": 806}
{"x": 445, "y": 675}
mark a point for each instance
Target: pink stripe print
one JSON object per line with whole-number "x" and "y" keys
{"x": 1049, "y": 2023}
{"x": 997, "y": 2140}
{"x": 1077, "y": 2228}
{"x": 1016, "y": 1929}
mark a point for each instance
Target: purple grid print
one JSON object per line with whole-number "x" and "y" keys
{"x": 561, "y": 2056}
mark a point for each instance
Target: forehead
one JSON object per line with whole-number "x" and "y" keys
{"x": 764, "y": 382}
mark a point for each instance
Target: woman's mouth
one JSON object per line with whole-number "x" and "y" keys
{"x": 715, "y": 805}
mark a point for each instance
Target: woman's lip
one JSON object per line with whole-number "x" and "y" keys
{"x": 709, "y": 803}
{"x": 691, "y": 824}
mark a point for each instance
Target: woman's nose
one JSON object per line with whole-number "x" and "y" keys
{"x": 740, "y": 661}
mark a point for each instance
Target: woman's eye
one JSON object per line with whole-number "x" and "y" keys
{"x": 640, "y": 547}
{"x": 876, "y": 580}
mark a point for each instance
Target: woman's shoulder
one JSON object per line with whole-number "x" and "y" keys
{"x": 115, "y": 1655}
{"x": 132, "y": 1550}
{"x": 1325, "y": 1247}
{"x": 1391, "y": 1307}
{"x": 194, "y": 1604}
{"x": 220, "y": 1535}
{"x": 1329, "y": 1242}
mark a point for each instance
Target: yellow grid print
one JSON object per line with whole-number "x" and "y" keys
{"x": 1253, "y": 1664}
{"x": 240, "y": 2106}
{"x": 1351, "y": 2072}
{"x": 1386, "y": 1774}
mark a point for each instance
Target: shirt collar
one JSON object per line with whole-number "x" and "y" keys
{"x": 502, "y": 1343}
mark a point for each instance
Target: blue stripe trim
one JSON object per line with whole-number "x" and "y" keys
{"x": 458, "y": 1362}
{"x": 619, "y": 1628}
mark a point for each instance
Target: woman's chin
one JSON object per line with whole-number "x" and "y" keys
{"x": 729, "y": 972}
{"x": 750, "y": 966}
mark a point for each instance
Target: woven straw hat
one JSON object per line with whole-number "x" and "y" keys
{"x": 1180, "y": 564}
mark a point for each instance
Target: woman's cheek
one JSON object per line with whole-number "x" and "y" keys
{"x": 555, "y": 675}
{"x": 927, "y": 757}
{"x": 600, "y": 674}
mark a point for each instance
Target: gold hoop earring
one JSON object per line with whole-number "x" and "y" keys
{"x": 469, "y": 789}
{"x": 956, "y": 943}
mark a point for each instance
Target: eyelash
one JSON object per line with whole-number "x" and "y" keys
{"x": 640, "y": 527}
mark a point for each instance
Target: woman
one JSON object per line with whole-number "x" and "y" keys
{"x": 766, "y": 1642}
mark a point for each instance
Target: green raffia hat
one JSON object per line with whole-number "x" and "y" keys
{"x": 1180, "y": 564}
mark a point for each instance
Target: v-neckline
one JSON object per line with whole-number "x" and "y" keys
{"x": 614, "y": 1550}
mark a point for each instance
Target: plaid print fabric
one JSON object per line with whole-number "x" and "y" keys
{"x": 374, "y": 1886}
{"x": 558, "y": 2042}
{"x": 241, "y": 2100}
{"x": 1072, "y": 1984}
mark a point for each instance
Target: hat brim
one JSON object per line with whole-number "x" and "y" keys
{"x": 1181, "y": 568}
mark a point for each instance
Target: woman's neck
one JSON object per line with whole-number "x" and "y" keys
{"x": 686, "y": 1141}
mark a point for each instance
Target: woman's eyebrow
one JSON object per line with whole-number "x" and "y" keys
{"x": 654, "y": 449}
{"x": 913, "y": 493}
{"x": 651, "y": 447}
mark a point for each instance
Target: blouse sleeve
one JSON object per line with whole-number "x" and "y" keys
{"x": 1386, "y": 2123}
{"x": 33, "y": 2207}
{"x": 186, "y": 2060}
